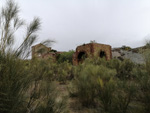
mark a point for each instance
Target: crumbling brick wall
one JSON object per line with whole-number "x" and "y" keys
{"x": 91, "y": 49}
{"x": 41, "y": 51}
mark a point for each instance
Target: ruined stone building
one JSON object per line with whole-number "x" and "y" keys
{"x": 91, "y": 49}
{"x": 41, "y": 51}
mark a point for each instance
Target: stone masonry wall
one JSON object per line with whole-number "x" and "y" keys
{"x": 92, "y": 49}
{"x": 40, "y": 51}
{"x": 102, "y": 47}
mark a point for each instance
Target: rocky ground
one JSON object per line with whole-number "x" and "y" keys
{"x": 136, "y": 57}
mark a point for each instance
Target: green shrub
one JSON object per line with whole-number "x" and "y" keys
{"x": 96, "y": 85}
{"x": 106, "y": 93}
{"x": 143, "y": 79}
{"x": 65, "y": 56}
{"x": 124, "y": 69}
{"x": 12, "y": 76}
{"x": 96, "y": 61}
{"x": 87, "y": 82}
{"x": 64, "y": 71}
{"x": 123, "y": 97}
{"x": 25, "y": 87}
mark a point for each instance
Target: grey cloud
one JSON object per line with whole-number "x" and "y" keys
{"x": 73, "y": 22}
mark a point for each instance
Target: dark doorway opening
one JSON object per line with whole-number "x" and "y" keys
{"x": 102, "y": 54}
{"x": 81, "y": 56}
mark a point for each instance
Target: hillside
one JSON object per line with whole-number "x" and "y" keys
{"x": 134, "y": 54}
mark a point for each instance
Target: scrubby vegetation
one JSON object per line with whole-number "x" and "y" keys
{"x": 25, "y": 86}
{"x": 65, "y": 57}
{"x": 32, "y": 86}
{"x": 112, "y": 86}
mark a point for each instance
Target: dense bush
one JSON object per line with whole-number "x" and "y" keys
{"x": 108, "y": 86}
{"x": 124, "y": 97}
{"x": 64, "y": 71}
{"x": 12, "y": 76}
{"x": 143, "y": 79}
{"x": 25, "y": 86}
{"x": 90, "y": 80}
{"x": 124, "y": 69}
{"x": 29, "y": 89}
{"x": 42, "y": 91}
{"x": 65, "y": 56}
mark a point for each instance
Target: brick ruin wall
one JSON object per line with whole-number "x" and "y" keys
{"x": 92, "y": 49}
{"x": 41, "y": 52}
{"x": 101, "y": 47}
{"x": 89, "y": 50}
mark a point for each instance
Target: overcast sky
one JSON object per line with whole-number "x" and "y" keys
{"x": 74, "y": 22}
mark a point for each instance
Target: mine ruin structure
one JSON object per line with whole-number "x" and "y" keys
{"x": 41, "y": 51}
{"x": 91, "y": 50}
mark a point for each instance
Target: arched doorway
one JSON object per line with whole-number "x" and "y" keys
{"x": 102, "y": 54}
{"x": 81, "y": 56}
